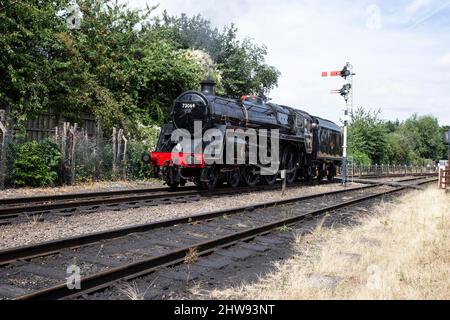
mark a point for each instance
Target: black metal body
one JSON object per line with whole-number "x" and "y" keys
{"x": 309, "y": 146}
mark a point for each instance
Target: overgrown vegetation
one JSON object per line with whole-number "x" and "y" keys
{"x": 36, "y": 164}
{"x": 123, "y": 65}
{"x": 416, "y": 141}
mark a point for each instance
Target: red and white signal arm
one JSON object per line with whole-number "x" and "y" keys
{"x": 447, "y": 137}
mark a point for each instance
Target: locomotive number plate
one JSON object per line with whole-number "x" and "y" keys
{"x": 188, "y": 106}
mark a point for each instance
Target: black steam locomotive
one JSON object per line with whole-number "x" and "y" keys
{"x": 308, "y": 146}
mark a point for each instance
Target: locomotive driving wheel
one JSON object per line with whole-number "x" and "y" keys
{"x": 269, "y": 180}
{"x": 331, "y": 172}
{"x": 170, "y": 175}
{"x": 234, "y": 179}
{"x": 210, "y": 178}
{"x": 173, "y": 184}
{"x": 321, "y": 174}
{"x": 250, "y": 176}
{"x": 289, "y": 164}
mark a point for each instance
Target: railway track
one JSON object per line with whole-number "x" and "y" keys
{"x": 70, "y": 204}
{"x": 379, "y": 176}
{"x": 38, "y": 271}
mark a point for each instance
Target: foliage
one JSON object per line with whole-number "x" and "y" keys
{"x": 136, "y": 168}
{"x": 121, "y": 65}
{"x": 360, "y": 158}
{"x": 148, "y": 135}
{"x": 367, "y": 135}
{"x": 445, "y": 148}
{"x": 415, "y": 141}
{"x": 241, "y": 64}
{"x": 127, "y": 70}
{"x": 28, "y": 54}
{"x": 36, "y": 164}
{"x": 423, "y": 134}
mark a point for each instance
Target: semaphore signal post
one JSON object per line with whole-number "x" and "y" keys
{"x": 347, "y": 93}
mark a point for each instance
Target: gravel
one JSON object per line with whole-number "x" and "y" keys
{"x": 80, "y": 188}
{"x": 34, "y": 232}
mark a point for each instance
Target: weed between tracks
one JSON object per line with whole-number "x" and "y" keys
{"x": 35, "y": 219}
{"x": 132, "y": 292}
{"x": 191, "y": 256}
{"x": 401, "y": 251}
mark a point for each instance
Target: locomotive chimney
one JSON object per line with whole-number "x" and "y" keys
{"x": 208, "y": 87}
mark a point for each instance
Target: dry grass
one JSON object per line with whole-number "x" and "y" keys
{"x": 400, "y": 252}
{"x": 35, "y": 219}
{"x": 191, "y": 256}
{"x": 131, "y": 291}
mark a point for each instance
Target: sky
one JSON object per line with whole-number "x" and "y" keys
{"x": 400, "y": 50}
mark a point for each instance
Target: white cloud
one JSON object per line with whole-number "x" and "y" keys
{"x": 416, "y": 5}
{"x": 395, "y": 70}
{"x": 445, "y": 60}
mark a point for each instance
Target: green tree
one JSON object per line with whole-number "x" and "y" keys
{"x": 445, "y": 148}
{"x": 424, "y": 135}
{"x": 242, "y": 65}
{"x": 28, "y": 54}
{"x": 368, "y": 135}
{"x": 121, "y": 68}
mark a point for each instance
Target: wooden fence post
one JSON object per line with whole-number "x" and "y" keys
{"x": 119, "y": 148}
{"x": 125, "y": 143}
{"x": 114, "y": 145}
{"x": 73, "y": 132}
{"x": 3, "y": 133}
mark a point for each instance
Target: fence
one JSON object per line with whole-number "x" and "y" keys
{"x": 86, "y": 154}
{"x": 444, "y": 178}
{"x": 389, "y": 170}
{"x": 3, "y": 135}
{"x": 44, "y": 124}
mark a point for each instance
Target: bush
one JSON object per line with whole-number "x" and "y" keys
{"x": 136, "y": 169}
{"x": 360, "y": 158}
{"x": 36, "y": 164}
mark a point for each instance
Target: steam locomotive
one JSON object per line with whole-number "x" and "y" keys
{"x": 308, "y": 146}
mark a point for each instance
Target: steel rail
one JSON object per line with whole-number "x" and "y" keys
{"x": 11, "y": 211}
{"x": 105, "y": 279}
{"x": 45, "y": 204}
{"x": 374, "y": 176}
{"x": 50, "y": 247}
{"x": 81, "y": 195}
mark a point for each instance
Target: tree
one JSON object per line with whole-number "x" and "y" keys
{"x": 424, "y": 135}
{"x": 120, "y": 65}
{"x": 241, "y": 65}
{"x": 245, "y": 71}
{"x": 368, "y": 135}
{"x": 28, "y": 54}
{"x": 445, "y": 148}
{"x": 121, "y": 68}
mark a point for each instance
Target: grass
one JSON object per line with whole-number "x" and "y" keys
{"x": 36, "y": 219}
{"x": 191, "y": 256}
{"x": 400, "y": 251}
{"x": 131, "y": 291}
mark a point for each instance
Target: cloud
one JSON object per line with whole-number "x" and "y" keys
{"x": 445, "y": 60}
{"x": 416, "y": 5}
{"x": 394, "y": 65}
